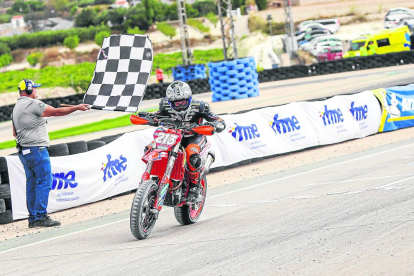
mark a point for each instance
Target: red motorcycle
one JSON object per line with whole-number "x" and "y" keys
{"x": 166, "y": 178}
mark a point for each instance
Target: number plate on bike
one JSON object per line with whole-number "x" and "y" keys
{"x": 166, "y": 138}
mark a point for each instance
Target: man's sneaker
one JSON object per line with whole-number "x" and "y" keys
{"x": 46, "y": 222}
{"x": 31, "y": 224}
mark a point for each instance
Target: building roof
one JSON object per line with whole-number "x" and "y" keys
{"x": 17, "y": 17}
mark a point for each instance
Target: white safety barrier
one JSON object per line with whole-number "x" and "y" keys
{"x": 117, "y": 167}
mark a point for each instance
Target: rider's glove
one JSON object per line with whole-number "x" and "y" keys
{"x": 220, "y": 126}
{"x": 151, "y": 121}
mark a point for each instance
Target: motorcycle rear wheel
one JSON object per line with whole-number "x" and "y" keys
{"x": 186, "y": 214}
{"x": 142, "y": 220}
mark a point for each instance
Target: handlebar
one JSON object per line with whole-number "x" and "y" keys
{"x": 145, "y": 118}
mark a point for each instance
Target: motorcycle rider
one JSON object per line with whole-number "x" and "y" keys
{"x": 179, "y": 105}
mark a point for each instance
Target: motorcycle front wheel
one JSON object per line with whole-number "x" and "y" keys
{"x": 142, "y": 220}
{"x": 186, "y": 214}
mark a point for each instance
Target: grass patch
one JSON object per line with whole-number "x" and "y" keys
{"x": 84, "y": 129}
{"x": 212, "y": 18}
{"x": 198, "y": 25}
{"x": 166, "y": 29}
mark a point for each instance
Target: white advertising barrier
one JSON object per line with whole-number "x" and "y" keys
{"x": 246, "y": 136}
{"x": 365, "y": 109}
{"x": 331, "y": 120}
{"x": 290, "y": 128}
{"x": 84, "y": 178}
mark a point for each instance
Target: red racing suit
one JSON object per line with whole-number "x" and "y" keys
{"x": 196, "y": 113}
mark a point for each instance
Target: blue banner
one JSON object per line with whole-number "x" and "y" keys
{"x": 397, "y": 107}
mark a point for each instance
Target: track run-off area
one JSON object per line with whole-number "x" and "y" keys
{"x": 344, "y": 209}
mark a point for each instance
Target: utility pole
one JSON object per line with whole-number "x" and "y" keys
{"x": 227, "y": 30}
{"x": 289, "y": 27}
{"x": 185, "y": 40}
{"x": 269, "y": 19}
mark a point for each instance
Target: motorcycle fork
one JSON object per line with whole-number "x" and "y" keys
{"x": 165, "y": 181}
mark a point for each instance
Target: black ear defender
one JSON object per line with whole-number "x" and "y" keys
{"x": 29, "y": 87}
{"x": 26, "y": 86}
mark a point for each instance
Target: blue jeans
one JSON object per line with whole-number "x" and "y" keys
{"x": 38, "y": 181}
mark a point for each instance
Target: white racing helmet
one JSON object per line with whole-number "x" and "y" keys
{"x": 179, "y": 95}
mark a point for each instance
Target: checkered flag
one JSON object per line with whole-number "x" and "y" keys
{"x": 121, "y": 74}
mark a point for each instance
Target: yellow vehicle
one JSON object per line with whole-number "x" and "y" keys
{"x": 384, "y": 42}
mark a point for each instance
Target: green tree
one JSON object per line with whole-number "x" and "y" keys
{"x": 34, "y": 58}
{"x": 190, "y": 11}
{"x": 85, "y": 18}
{"x": 172, "y": 13}
{"x": 60, "y": 5}
{"x": 4, "y": 49}
{"x": 104, "y": 2}
{"x": 261, "y": 4}
{"x": 160, "y": 11}
{"x": 73, "y": 10}
{"x": 71, "y": 42}
{"x": 18, "y": 6}
{"x": 149, "y": 12}
{"x": 99, "y": 37}
{"x": 206, "y": 7}
{"x": 116, "y": 16}
{"x": 136, "y": 18}
{"x": 36, "y": 5}
{"x": 5, "y": 60}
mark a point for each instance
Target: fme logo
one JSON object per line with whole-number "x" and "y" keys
{"x": 244, "y": 132}
{"x": 284, "y": 125}
{"x": 64, "y": 181}
{"x": 113, "y": 167}
{"x": 359, "y": 112}
{"x": 331, "y": 116}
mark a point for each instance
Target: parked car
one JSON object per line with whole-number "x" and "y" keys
{"x": 332, "y": 24}
{"x": 303, "y": 24}
{"x": 394, "y": 15}
{"x": 310, "y": 34}
{"x": 329, "y": 53}
{"x": 322, "y": 45}
{"x": 310, "y": 39}
{"x": 301, "y": 35}
{"x": 325, "y": 38}
{"x": 314, "y": 25}
{"x": 407, "y": 21}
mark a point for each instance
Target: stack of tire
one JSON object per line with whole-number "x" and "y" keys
{"x": 235, "y": 79}
{"x": 5, "y": 196}
{"x": 57, "y": 150}
{"x": 190, "y": 72}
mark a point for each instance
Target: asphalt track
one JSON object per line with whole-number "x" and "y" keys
{"x": 350, "y": 215}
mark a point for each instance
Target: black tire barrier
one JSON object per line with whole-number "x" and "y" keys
{"x": 5, "y": 191}
{"x": 2, "y": 206}
{"x": 58, "y": 150}
{"x": 109, "y": 139}
{"x": 5, "y": 177}
{"x": 3, "y": 164}
{"x": 94, "y": 144}
{"x": 6, "y": 217}
{"x": 77, "y": 147}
